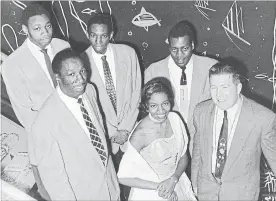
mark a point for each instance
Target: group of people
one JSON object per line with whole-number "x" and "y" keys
{"x": 80, "y": 112}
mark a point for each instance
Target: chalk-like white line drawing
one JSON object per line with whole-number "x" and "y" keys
{"x": 64, "y": 18}
{"x": 75, "y": 15}
{"x": 133, "y": 2}
{"x": 79, "y": 1}
{"x": 264, "y": 76}
{"x": 145, "y": 45}
{"x": 100, "y": 3}
{"x": 15, "y": 36}
{"x": 21, "y": 32}
{"x": 233, "y": 24}
{"x": 89, "y": 11}
{"x": 145, "y": 19}
{"x": 201, "y": 6}
{"x": 20, "y": 4}
{"x": 270, "y": 182}
{"x": 273, "y": 57}
{"x": 205, "y": 43}
{"x": 204, "y": 53}
{"x": 130, "y": 33}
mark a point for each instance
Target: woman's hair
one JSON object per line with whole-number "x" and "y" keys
{"x": 156, "y": 85}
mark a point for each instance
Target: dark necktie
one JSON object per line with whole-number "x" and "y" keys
{"x": 183, "y": 79}
{"x": 109, "y": 85}
{"x": 95, "y": 138}
{"x": 222, "y": 147}
{"x": 49, "y": 66}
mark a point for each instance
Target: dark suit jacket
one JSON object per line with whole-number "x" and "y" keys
{"x": 68, "y": 163}
{"x": 27, "y": 84}
{"x": 255, "y": 133}
{"x": 200, "y": 83}
{"x": 128, "y": 88}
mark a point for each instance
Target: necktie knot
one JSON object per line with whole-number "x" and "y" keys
{"x": 104, "y": 58}
{"x": 80, "y": 101}
{"x": 183, "y": 79}
{"x": 44, "y": 51}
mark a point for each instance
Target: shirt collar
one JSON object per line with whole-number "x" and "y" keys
{"x": 33, "y": 46}
{"x": 107, "y": 53}
{"x": 234, "y": 108}
{"x": 67, "y": 99}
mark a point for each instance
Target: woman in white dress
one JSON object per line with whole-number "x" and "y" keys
{"x": 155, "y": 160}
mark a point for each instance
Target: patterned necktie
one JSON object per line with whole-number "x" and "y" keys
{"x": 110, "y": 88}
{"x": 95, "y": 138}
{"x": 222, "y": 147}
{"x": 49, "y": 66}
{"x": 183, "y": 79}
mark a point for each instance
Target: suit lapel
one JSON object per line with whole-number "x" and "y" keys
{"x": 209, "y": 124}
{"x": 105, "y": 100}
{"x": 121, "y": 78}
{"x": 196, "y": 88}
{"x": 73, "y": 129}
{"x": 242, "y": 131}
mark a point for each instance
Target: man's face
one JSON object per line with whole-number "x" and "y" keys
{"x": 39, "y": 30}
{"x": 73, "y": 77}
{"x": 99, "y": 37}
{"x": 181, "y": 50}
{"x": 224, "y": 90}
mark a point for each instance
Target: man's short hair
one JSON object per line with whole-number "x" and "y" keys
{"x": 63, "y": 56}
{"x": 221, "y": 68}
{"x": 33, "y": 10}
{"x": 181, "y": 29}
{"x": 101, "y": 18}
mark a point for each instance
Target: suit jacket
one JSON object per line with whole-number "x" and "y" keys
{"x": 200, "y": 83}
{"x": 255, "y": 133}
{"x": 69, "y": 165}
{"x": 27, "y": 84}
{"x": 128, "y": 87}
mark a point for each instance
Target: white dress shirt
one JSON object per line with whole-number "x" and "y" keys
{"x": 74, "y": 107}
{"x": 233, "y": 114}
{"x": 175, "y": 76}
{"x": 39, "y": 56}
{"x": 111, "y": 62}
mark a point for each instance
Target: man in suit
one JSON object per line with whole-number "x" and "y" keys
{"x": 187, "y": 72}
{"x": 27, "y": 72}
{"x": 116, "y": 74}
{"x": 68, "y": 137}
{"x": 231, "y": 132}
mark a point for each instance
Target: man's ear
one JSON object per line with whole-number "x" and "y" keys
{"x": 239, "y": 87}
{"x": 193, "y": 45}
{"x": 111, "y": 35}
{"x": 25, "y": 29}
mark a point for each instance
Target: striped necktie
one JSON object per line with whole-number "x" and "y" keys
{"x": 94, "y": 135}
{"x": 109, "y": 85}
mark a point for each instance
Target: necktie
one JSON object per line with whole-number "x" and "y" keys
{"x": 222, "y": 147}
{"x": 183, "y": 79}
{"x": 110, "y": 88}
{"x": 49, "y": 66}
{"x": 95, "y": 138}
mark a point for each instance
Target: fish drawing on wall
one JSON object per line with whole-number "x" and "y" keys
{"x": 145, "y": 19}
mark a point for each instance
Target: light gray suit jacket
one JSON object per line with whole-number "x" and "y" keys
{"x": 68, "y": 163}
{"x": 255, "y": 133}
{"x": 27, "y": 84}
{"x": 128, "y": 88}
{"x": 200, "y": 83}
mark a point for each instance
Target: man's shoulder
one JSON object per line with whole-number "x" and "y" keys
{"x": 202, "y": 106}
{"x": 158, "y": 64}
{"x": 205, "y": 59}
{"x": 59, "y": 42}
{"x": 122, "y": 47}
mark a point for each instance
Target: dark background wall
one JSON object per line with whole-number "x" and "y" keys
{"x": 244, "y": 30}
{"x": 252, "y": 43}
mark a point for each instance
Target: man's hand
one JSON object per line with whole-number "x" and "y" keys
{"x": 120, "y": 138}
{"x": 166, "y": 188}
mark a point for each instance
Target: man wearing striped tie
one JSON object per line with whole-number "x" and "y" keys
{"x": 68, "y": 136}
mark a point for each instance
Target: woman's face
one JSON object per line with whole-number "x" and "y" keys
{"x": 159, "y": 106}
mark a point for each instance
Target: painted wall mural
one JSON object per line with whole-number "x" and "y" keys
{"x": 245, "y": 30}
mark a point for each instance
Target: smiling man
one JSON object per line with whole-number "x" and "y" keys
{"x": 231, "y": 133}
{"x": 187, "y": 72}
{"x": 70, "y": 149}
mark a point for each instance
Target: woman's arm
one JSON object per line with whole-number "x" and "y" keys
{"x": 138, "y": 183}
{"x": 166, "y": 187}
